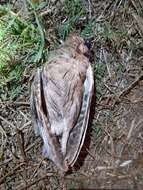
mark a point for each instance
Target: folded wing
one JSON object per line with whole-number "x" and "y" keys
{"x": 77, "y": 134}
{"x": 60, "y": 101}
{"x": 41, "y": 122}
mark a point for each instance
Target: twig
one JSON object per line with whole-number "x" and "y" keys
{"x": 128, "y": 89}
{"x": 11, "y": 172}
{"x": 20, "y": 140}
{"x": 33, "y": 144}
{"x": 139, "y": 21}
{"x": 112, "y": 146}
{"x": 90, "y": 154}
{"x": 100, "y": 168}
{"x": 112, "y": 16}
{"x": 27, "y": 149}
{"x": 33, "y": 175}
{"x": 134, "y": 5}
{"x": 108, "y": 5}
{"x": 133, "y": 126}
{"x": 131, "y": 129}
{"x": 9, "y": 123}
{"x": 119, "y": 4}
{"x": 15, "y": 103}
{"x": 3, "y": 140}
{"x": 90, "y": 9}
{"x": 21, "y": 103}
{"x": 36, "y": 181}
{"x": 141, "y": 3}
{"x": 25, "y": 125}
{"x": 26, "y": 118}
{"x": 131, "y": 86}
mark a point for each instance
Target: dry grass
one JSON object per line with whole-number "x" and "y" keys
{"x": 112, "y": 156}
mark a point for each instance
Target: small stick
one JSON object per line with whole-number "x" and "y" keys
{"x": 90, "y": 154}
{"x": 20, "y": 140}
{"x": 128, "y": 89}
{"x": 11, "y": 172}
{"x": 9, "y": 123}
{"x": 36, "y": 181}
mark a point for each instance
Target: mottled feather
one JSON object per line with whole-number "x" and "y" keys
{"x": 60, "y": 101}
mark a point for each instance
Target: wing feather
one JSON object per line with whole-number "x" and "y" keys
{"x": 61, "y": 97}
{"x": 40, "y": 115}
{"x": 77, "y": 135}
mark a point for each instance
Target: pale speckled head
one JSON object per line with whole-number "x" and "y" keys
{"x": 78, "y": 43}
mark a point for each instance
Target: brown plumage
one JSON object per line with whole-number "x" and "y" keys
{"x": 60, "y": 100}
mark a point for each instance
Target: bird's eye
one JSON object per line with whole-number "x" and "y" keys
{"x": 87, "y": 43}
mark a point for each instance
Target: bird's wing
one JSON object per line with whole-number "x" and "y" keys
{"x": 63, "y": 89}
{"x": 77, "y": 135}
{"x": 41, "y": 123}
{"x": 61, "y": 96}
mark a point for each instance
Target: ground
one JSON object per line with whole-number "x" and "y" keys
{"x": 112, "y": 156}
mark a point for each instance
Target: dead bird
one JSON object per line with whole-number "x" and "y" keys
{"x": 61, "y": 93}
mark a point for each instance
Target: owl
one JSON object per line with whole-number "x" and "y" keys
{"x": 61, "y": 94}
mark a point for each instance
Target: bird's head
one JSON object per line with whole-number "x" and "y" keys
{"x": 78, "y": 43}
